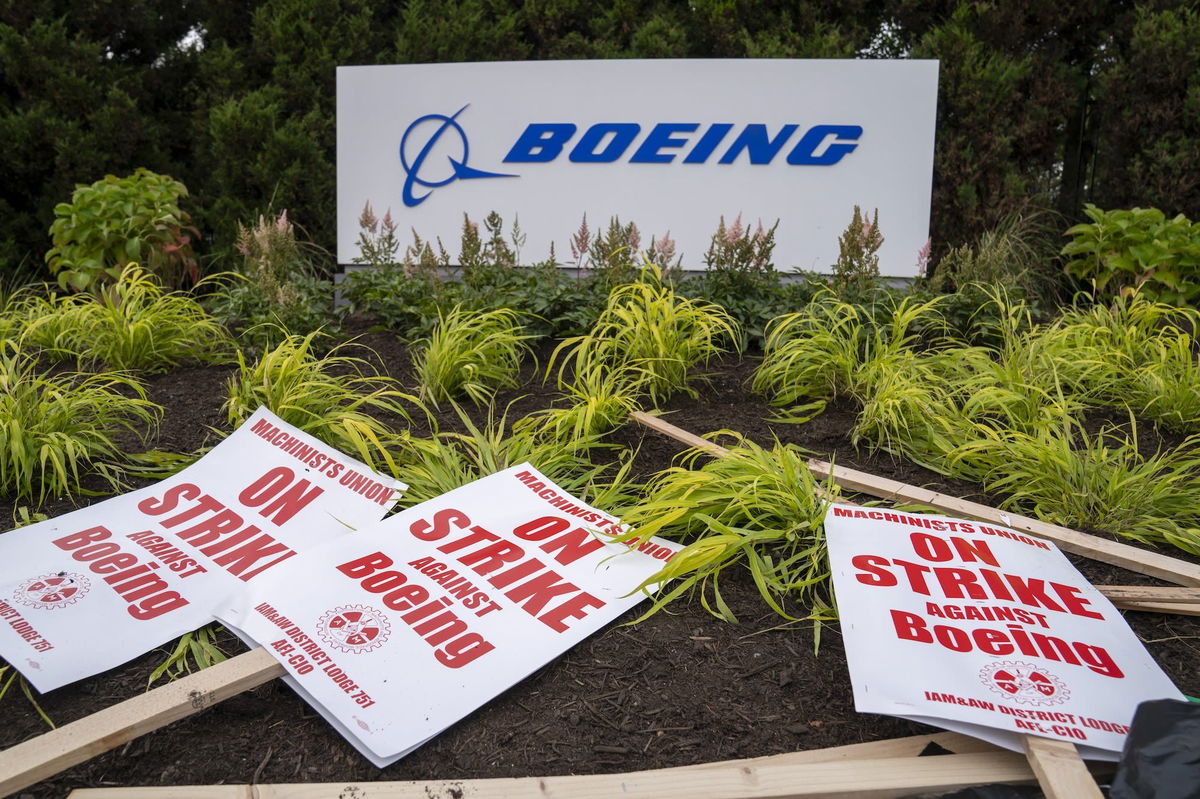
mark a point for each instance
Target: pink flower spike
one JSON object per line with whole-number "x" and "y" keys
{"x": 367, "y": 220}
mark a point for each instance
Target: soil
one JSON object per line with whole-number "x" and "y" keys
{"x": 679, "y": 688}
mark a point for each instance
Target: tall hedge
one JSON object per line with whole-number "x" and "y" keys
{"x": 1046, "y": 104}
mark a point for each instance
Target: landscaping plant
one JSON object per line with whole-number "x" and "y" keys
{"x": 472, "y": 354}
{"x": 754, "y": 506}
{"x": 134, "y": 325}
{"x": 192, "y": 652}
{"x": 1137, "y": 249}
{"x": 446, "y": 460}
{"x": 650, "y": 333}
{"x": 331, "y": 397}
{"x": 1069, "y": 477}
{"x": 277, "y": 289}
{"x": 116, "y": 221}
{"x": 58, "y": 428}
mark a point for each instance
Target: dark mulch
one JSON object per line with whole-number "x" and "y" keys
{"x": 677, "y": 689}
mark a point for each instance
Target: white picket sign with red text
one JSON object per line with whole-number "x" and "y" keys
{"x": 94, "y": 588}
{"x": 983, "y": 630}
{"x": 399, "y": 631}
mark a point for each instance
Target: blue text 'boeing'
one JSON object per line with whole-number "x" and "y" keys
{"x": 606, "y": 142}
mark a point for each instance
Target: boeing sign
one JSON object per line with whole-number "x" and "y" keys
{"x": 670, "y": 145}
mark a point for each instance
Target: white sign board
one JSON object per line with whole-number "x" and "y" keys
{"x": 983, "y": 630}
{"x": 398, "y": 631}
{"x": 672, "y": 145}
{"x": 89, "y": 590}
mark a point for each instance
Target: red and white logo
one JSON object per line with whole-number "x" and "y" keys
{"x": 1025, "y": 683}
{"x": 51, "y": 591}
{"x": 354, "y": 628}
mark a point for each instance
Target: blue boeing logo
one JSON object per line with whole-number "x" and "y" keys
{"x": 608, "y": 142}
{"x": 439, "y": 124}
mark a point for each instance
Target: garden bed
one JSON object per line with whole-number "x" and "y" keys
{"x": 679, "y": 688}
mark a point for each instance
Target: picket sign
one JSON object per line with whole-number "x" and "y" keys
{"x": 1101, "y": 549}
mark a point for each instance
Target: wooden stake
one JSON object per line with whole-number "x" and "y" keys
{"x": 1060, "y": 771}
{"x": 877, "y": 779}
{"x": 48, "y": 754}
{"x": 1094, "y": 547}
{"x": 1152, "y": 593}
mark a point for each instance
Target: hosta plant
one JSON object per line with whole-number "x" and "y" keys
{"x": 336, "y": 398}
{"x": 115, "y": 221}
{"x": 58, "y": 428}
{"x": 471, "y": 354}
{"x": 1138, "y": 249}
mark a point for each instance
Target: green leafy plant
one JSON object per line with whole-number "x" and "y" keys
{"x": 754, "y": 506}
{"x": 834, "y": 348}
{"x": 471, "y": 353}
{"x": 597, "y": 401}
{"x": 331, "y": 397}
{"x": 134, "y": 325}
{"x": 1137, "y": 249}
{"x": 1014, "y": 254}
{"x": 738, "y": 259}
{"x": 118, "y": 220}
{"x": 650, "y": 333}
{"x": 57, "y": 428}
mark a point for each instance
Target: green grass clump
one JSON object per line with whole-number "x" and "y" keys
{"x": 471, "y": 353}
{"x": 133, "y": 325}
{"x": 444, "y": 461}
{"x": 57, "y": 428}
{"x": 755, "y": 506}
{"x": 1101, "y": 481}
{"x": 650, "y": 337}
{"x": 331, "y": 397}
{"x": 597, "y": 401}
{"x": 834, "y": 349}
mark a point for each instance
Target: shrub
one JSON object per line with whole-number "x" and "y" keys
{"x": 328, "y": 397}
{"x": 1138, "y": 249}
{"x": 55, "y": 429}
{"x": 118, "y": 220}
{"x": 857, "y": 267}
{"x": 471, "y": 353}
{"x": 277, "y": 290}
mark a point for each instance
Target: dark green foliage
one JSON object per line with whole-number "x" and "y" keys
{"x": 1052, "y": 105}
{"x": 1151, "y": 133}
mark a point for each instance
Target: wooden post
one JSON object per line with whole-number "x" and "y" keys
{"x": 1060, "y": 771}
{"x": 875, "y": 779}
{"x": 48, "y": 754}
